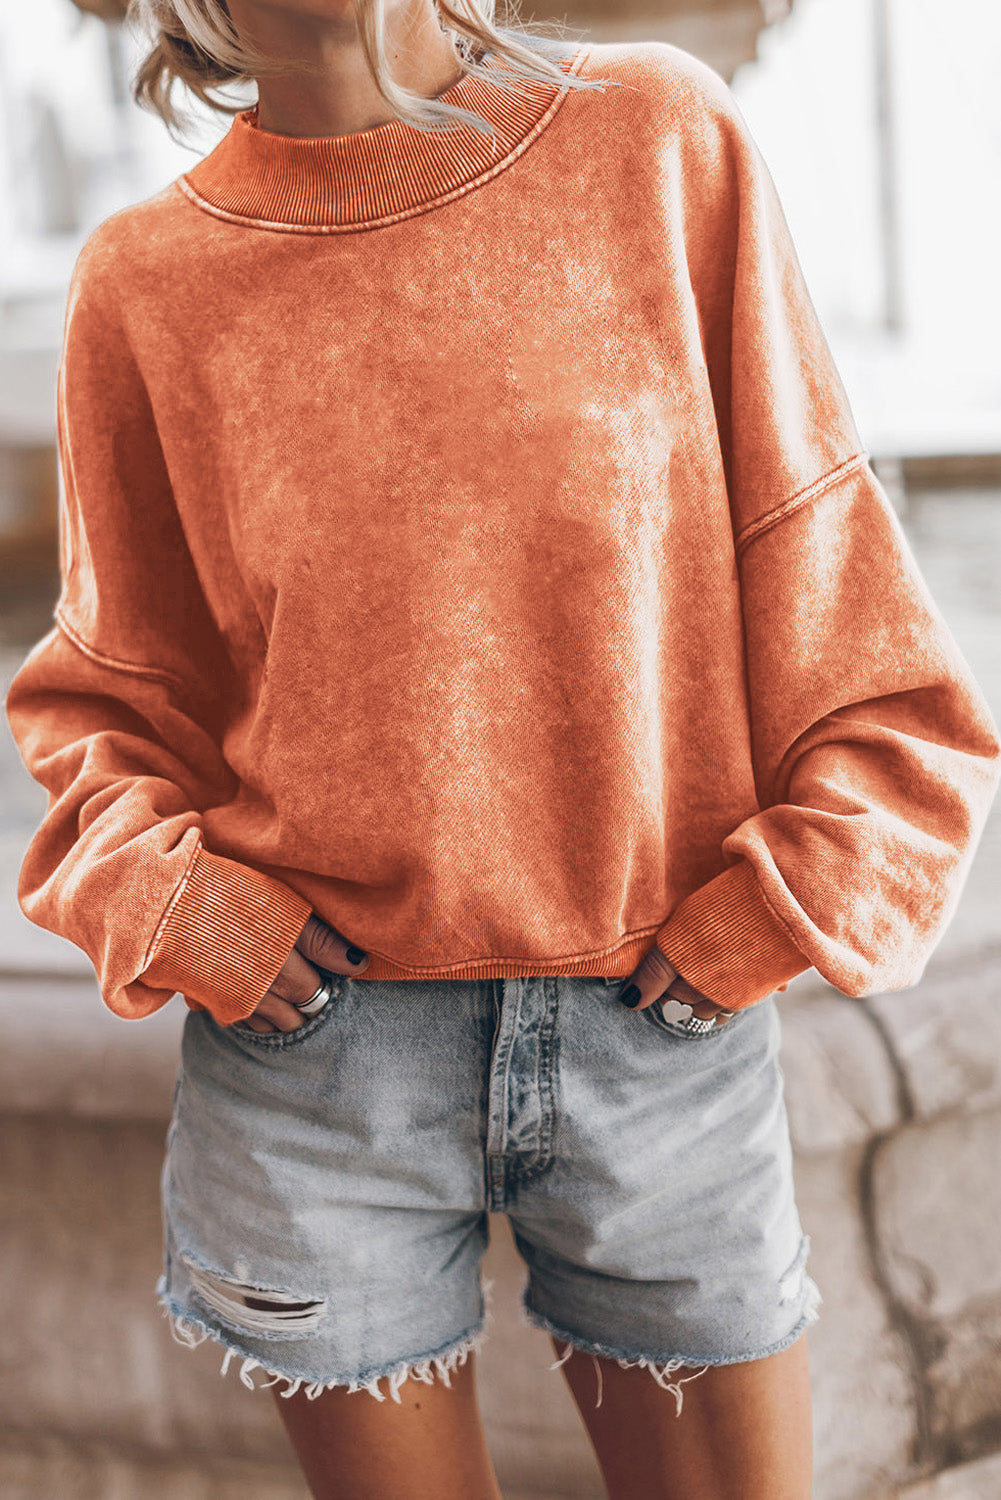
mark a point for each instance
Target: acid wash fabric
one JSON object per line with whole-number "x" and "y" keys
{"x": 467, "y": 538}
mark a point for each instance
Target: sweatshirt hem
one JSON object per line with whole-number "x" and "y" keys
{"x": 610, "y": 963}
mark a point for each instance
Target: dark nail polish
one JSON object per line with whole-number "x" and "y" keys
{"x": 631, "y": 996}
{"x": 355, "y": 955}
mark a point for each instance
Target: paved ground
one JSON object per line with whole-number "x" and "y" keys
{"x": 895, "y": 1109}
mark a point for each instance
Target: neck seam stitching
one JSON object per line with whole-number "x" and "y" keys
{"x": 282, "y": 227}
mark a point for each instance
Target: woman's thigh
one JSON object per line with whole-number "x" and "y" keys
{"x": 429, "y": 1446}
{"x": 747, "y": 1432}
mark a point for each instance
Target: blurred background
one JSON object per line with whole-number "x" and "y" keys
{"x": 881, "y": 123}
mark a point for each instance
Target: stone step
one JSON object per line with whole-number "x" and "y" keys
{"x": 39, "y": 1466}
{"x": 980, "y": 1480}
{"x": 44, "y": 1467}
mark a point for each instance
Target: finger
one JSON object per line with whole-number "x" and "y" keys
{"x": 329, "y": 949}
{"x": 285, "y": 1015}
{"x": 700, "y": 1004}
{"x": 648, "y": 981}
{"x": 253, "y": 1023}
{"x": 297, "y": 980}
{"x": 656, "y": 978}
{"x": 275, "y": 1014}
{"x": 686, "y": 994}
{"x": 706, "y": 1009}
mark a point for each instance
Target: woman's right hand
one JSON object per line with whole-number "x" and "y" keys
{"x": 298, "y": 977}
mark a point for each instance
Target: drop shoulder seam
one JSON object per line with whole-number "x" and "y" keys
{"x": 818, "y": 487}
{"x": 134, "y": 669}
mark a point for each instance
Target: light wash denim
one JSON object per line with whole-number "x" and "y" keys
{"x": 326, "y": 1191}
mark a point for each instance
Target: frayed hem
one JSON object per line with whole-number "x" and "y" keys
{"x": 192, "y": 1331}
{"x": 661, "y": 1369}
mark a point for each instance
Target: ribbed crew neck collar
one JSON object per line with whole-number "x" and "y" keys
{"x": 356, "y": 181}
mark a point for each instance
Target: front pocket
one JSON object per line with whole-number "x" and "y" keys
{"x": 655, "y": 1015}
{"x": 277, "y": 1040}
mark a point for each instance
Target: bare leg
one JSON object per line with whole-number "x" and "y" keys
{"x": 431, "y": 1447}
{"x": 744, "y": 1433}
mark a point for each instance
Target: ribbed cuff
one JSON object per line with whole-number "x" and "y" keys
{"x": 725, "y": 941}
{"x": 226, "y": 938}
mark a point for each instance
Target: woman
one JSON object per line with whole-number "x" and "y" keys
{"x": 478, "y": 610}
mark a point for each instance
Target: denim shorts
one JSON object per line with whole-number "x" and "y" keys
{"x": 326, "y": 1191}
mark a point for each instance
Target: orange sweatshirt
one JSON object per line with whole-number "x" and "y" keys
{"x": 472, "y": 543}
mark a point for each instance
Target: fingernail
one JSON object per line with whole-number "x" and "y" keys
{"x": 631, "y": 996}
{"x": 355, "y": 955}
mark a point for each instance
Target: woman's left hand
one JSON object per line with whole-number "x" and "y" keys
{"x": 656, "y": 978}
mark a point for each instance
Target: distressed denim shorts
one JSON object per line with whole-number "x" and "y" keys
{"x": 326, "y": 1191}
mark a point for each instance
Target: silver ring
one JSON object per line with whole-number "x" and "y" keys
{"x": 317, "y": 999}
{"x": 697, "y": 1025}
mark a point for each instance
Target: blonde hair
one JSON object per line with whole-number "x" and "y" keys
{"x": 196, "y": 42}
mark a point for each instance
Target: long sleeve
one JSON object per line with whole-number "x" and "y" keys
{"x": 117, "y": 712}
{"x": 875, "y": 755}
